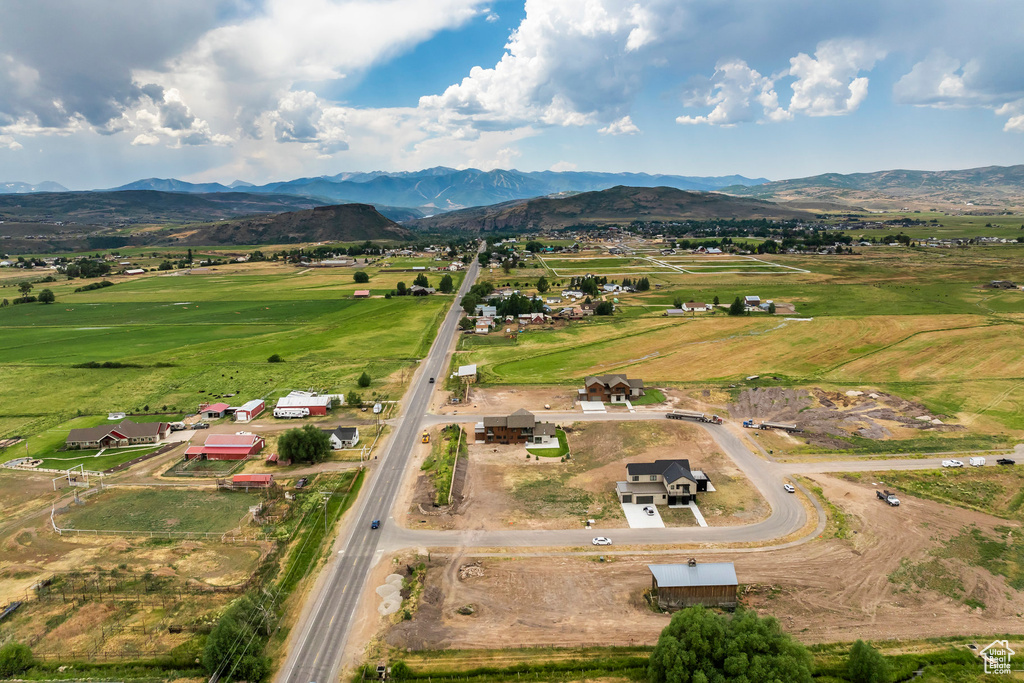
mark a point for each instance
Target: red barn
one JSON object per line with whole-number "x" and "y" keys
{"x": 252, "y": 481}
{"x": 314, "y": 403}
{"x": 213, "y": 411}
{"x": 227, "y": 447}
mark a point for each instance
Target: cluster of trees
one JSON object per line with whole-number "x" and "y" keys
{"x": 517, "y": 304}
{"x": 304, "y": 444}
{"x": 640, "y": 284}
{"x": 25, "y": 289}
{"x": 700, "y": 646}
{"x": 476, "y": 294}
{"x": 235, "y": 647}
{"x": 86, "y": 268}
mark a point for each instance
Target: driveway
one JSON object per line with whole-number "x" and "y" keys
{"x": 638, "y": 519}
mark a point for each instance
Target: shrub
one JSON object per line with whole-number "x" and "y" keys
{"x": 276, "y": 358}
{"x": 364, "y": 380}
{"x": 15, "y": 658}
{"x": 361, "y": 277}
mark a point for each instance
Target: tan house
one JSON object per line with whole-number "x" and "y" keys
{"x": 519, "y": 427}
{"x": 611, "y": 389}
{"x": 662, "y": 482}
{"x": 127, "y": 433}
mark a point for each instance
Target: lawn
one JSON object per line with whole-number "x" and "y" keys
{"x": 561, "y": 451}
{"x": 184, "y": 338}
{"x": 92, "y": 460}
{"x": 162, "y": 509}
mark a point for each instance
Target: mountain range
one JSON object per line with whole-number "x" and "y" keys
{"x": 616, "y": 205}
{"x": 441, "y": 188}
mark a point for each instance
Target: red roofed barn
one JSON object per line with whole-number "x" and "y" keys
{"x": 226, "y": 447}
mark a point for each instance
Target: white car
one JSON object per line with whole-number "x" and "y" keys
{"x": 602, "y": 540}
{"x": 789, "y": 488}
{"x": 649, "y": 510}
{"x": 952, "y": 463}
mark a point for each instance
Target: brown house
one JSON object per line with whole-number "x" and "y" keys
{"x": 519, "y": 427}
{"x": 683, "y": 585}
{"x": 127, "y": 433}
{"x": 611, "y": 389}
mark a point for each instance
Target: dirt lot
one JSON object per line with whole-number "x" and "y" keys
{"x": 824, "y": 415}
{"x": 491, "y": 400}
{"x": 504, "y": 489}
{"x": 826, "y": 590}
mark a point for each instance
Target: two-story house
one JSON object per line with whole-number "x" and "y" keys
{"x": 519, "y": 427}
{"x": 611, "y": 389}
{"x": 662, "y": 482}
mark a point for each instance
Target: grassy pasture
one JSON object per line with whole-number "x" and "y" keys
{"x": 196, "y": 336}
{"x": 165, "y": 509}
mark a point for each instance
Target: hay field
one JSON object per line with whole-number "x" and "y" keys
{"x": 183, "y": 338}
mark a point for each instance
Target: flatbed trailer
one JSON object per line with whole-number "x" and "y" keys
{"x": 693, "y": 415}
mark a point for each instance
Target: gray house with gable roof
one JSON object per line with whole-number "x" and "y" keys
{"x": 662, "y": 482}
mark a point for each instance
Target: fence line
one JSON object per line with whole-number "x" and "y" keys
{"x": 455, "y": 466}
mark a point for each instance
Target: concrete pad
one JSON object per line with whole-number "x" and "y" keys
{"x": 593, "y": 406}
{"x": 638, "y": 519}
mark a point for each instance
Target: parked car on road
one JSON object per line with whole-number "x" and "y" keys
{"x": 952, "y": 463}
{"x": 789, "y": 488}
{"x": 602, "y": 540}
{"x": 201, "y": 425}
{"x": 1006, "y": 461}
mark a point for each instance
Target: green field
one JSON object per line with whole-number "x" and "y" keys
{"x": 160, "y": 510}
{"x": 914, "y": 322}
{"x": 186, "y": 338}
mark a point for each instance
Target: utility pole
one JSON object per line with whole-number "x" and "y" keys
{"x": 326, "y": 495}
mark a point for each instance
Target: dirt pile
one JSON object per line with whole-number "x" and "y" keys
{"x": 470, "y": 570}
{"x": 828, "y": 416}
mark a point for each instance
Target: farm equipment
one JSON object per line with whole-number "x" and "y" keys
{"x": 888, "y": 497}
{"x": 693, "y": 415}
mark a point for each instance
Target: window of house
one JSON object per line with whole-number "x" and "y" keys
{"x": 654, "y": 477}
{"x": 636, "y": 477}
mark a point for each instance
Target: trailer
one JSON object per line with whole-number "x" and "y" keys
{"x": 291, "y": 412}
{"x": 693, "y": 415}
{"x": 784, "y": 426}
{"x": 888, "y": 497}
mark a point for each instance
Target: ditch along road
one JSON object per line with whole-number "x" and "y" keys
{"x": 316, "y": 653}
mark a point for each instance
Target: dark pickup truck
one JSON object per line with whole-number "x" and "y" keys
{"x": 1006, "y": 461}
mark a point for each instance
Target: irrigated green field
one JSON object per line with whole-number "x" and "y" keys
{"x": 183, "y": 338}
{"x": 915, "y": 322}
{"x": 160, "y": 510}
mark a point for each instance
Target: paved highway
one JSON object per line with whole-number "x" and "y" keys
{"x": 315, "y": 654}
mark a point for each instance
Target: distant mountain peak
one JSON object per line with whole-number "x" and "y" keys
{"x": 18, "y": 187}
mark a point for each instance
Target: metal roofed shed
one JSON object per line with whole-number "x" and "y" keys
{"x": 677, "y": 586}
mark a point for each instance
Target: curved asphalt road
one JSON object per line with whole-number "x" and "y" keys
{"x": 315, "y": 655}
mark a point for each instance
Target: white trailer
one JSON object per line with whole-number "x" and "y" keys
{"x": 977, "y": 462}
{"x": 291, "y": 412}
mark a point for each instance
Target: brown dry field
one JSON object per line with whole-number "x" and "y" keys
{"x": 505, "y": 490}
{"x": 490, "y": 400}
{"x": 823, "y": 591}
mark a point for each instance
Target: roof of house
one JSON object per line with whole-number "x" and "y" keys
{"x": 126, "y": 428}
{"x": 362, "y": 292}
{"x": 672, "y": 470}
{"x": 684, "y": 576}
{"x": 612, "y": 380}
{"x": 695, "y": 304}
{"x": 521, "y": 419}
{"x": 343, "y": 433}
{"x": 545, "y": 428}
{"x": 216, "y": 407}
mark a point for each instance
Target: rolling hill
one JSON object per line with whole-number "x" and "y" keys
{"x": 991, "y": 187}
{"x": 617, "y": 205}
{"x": 342, "y": 223}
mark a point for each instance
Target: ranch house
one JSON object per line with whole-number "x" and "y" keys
{"x": 662, "y": 482}
{"x": 127, "y": 433}
{"x": 343, "y": 437}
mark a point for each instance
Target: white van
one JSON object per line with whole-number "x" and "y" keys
{"x": 977, "y": 462}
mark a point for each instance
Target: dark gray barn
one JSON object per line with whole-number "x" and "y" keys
{"x": 682, "y": 585}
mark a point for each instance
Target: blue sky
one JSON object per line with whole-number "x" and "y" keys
{"x": 96, "y": 93}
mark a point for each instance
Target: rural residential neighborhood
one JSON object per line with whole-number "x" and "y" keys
{"x": 518, "y": 341}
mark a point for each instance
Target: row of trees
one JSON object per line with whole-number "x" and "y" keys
{"x": 46, "y": 296}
